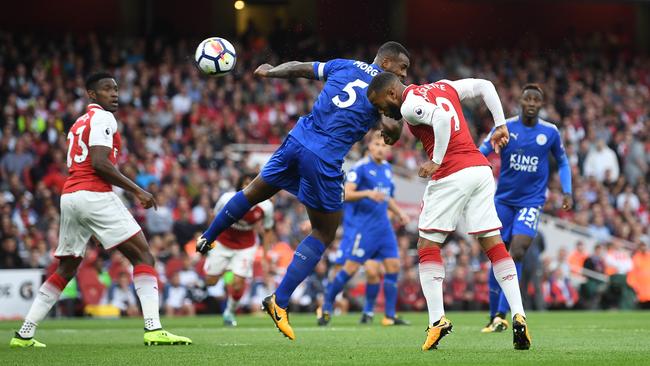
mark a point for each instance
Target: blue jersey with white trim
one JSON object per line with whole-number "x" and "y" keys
{"x": 524, "y": 162}
{"x": 342, "y": 113}
{"x": 367, "y": 213}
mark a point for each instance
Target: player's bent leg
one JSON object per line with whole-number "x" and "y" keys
{"x": 306, "y": 257}
{"x": 432, "y": 275}
{"x": 235, "y": 293}
{"x": 335, "y": 287}
{"x": 506, "y": 274}
{"x": 373, "y": 276}
{"x": 145, "y": 280}
{"x": 257, "y": 191}
{"x": 47, "y": 296}
{"x": 390, "y": 293}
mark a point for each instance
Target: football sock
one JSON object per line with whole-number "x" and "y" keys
{"x": 506, "y": 274}
{"x": 307, "y": 255}
{"x": 372, "y": 290}
{"x": 146, "y": 287}
{"x": 233, "y": 299}
{"x": 432, "y": 274}
{"x": 495, "y": 293}
{"x": 504, "y": 307}
{"x": 334, "y": 288}
{"x": 47, "y": 296}
{"x": 390, "y": 294}
{"x": 232, "y": 212}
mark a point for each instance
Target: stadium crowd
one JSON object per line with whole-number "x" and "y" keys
{"x": 187, "y": 138}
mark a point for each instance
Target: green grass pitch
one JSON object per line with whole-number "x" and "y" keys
{"x": 559, "y": 338}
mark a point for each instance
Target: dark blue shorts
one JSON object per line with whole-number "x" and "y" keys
{"x": 361, "y": 245}
{"x": 517, "y": 220}
{"x": 315, "y": 182}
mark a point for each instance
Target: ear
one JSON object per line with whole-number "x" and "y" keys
{"x": 92, "y": 94}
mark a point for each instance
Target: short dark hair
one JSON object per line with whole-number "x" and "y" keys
{"x": 242, "y": 178}
{"x": 533, "y": 86}
{"x": 91, "y": 81}
{"x": 381, "y": 82}
{"x": 392, "y": 49}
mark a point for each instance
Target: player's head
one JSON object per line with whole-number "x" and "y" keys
{"x": 102, "y": 89}
{"x": 385, "y": 93}
{"x": 532, "y": 99}
{"x": 244, "y": 180}
{"x": 377, "y": 148}
{"x": 393, "y": 57}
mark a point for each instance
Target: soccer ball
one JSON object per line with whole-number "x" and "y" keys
{"x": 215, "y": 56}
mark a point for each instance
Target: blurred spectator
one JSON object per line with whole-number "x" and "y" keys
{"x": 122, "y": 295}
{"x": 577, "y": 258}
{"x": 602, "y": 163}
{"x": 639, "y": 277}
{"x": 176, "y": 298}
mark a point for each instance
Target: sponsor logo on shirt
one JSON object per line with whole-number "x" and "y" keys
{"x": 524, "y": 163}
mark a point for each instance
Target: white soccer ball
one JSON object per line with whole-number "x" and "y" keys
{"x": 215, "y": 56}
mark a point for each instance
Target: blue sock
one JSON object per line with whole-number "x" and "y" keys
{"x": 334, "y": 288}
{"x": 372, "y": 290}
{"x": 232, "y": 212}
{"x": 390, "y": 294}
{"x": 495, "y": 293}
{"x": 305, "y": 258}
{"x": 504, "y": 307}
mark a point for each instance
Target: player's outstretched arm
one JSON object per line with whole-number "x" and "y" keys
{"x": 287, "y": 70}
{"x": 352, "y": 195}
{"x": 109, "y": 173}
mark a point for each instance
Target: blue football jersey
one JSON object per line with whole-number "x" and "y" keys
{"x": 342, "y": 113}
{"x": 524, "y": 162}
{"x": 366, "y": 214}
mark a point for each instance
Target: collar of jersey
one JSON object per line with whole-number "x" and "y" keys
{"x": 407, "y": 90}
{"x": 94, "y": 105}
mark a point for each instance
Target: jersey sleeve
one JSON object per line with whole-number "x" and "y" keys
{"x": 323, "y": 69}
{"x": 416, "y": 110}
{"x": 267, "y": 208}
{"x": 486, "y": 147}
{"x": 354, "y": 175}
{"x": 102, "y": 128}
{"x": 564, "y": 168}
{"x": 471, "y": 88}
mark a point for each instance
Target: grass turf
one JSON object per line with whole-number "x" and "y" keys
{"x": 559, "y": 338}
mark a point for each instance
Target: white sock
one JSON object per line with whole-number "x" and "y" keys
{"x": 47, "y": 296}
{"x": 231, "y": 306}
{"x": 506, "y": 274}
{"x": 432, "y": 276}
{"x": 146, "y": 286}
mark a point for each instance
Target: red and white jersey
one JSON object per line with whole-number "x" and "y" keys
{"x": 242, "y": 234}
{"x": 95, "y": 128}
{"x": 420, "y": 103}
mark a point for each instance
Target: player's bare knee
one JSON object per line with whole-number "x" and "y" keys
{"x": 68, "y": 267}
{"x": 426, "y": 243}
{"x": 392, "y": 265}
{"x": 351, "y": 267}
{"x": 517, "y": 252}
{"x": 211, "y": 280}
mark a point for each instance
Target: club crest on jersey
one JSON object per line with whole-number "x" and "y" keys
{"x": 541, "y": 139}
{"x": 419, "y": 111}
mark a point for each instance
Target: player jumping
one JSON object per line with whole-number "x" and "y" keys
{"x": 90, "y": 208}
{"x": 308, "y": 163}
{"x": 236, "y": 247}
{"x": 369, "y": 234}
{"x": 461, "y": 185}
{"x": 521, "y": 191}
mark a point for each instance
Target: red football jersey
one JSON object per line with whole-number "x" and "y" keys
{"x": 461, "y": 151}
{"x": 241, "y": 235}
{"x": 95, "y": 128}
